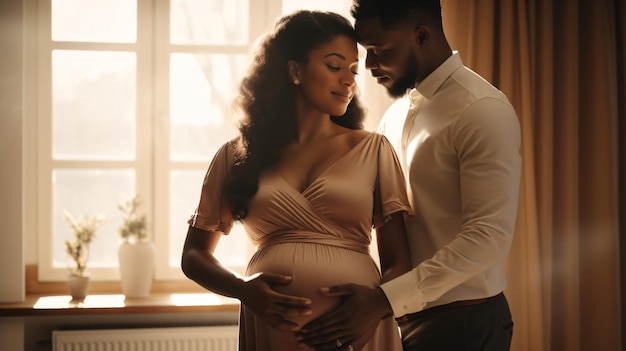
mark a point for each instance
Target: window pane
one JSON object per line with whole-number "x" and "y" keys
{"x": 185, "y": 187}
{"x": 202, "y": 88}
{"x": 93, "y": 104}
{"x": 89, "y": 192}
{"x": 212, "y": 22}
{"x": 233, "y": 248}
{"x": 112, "y": 21}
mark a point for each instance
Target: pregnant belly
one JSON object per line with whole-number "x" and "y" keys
{"x": 312, "y": 267}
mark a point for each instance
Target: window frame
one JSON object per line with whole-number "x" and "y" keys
{"x": 260, "y": 17}
{"x": 151, "y": 164}
{"x": 45, "y": 161}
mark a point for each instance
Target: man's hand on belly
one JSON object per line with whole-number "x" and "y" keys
{"x": 352, "y": 324}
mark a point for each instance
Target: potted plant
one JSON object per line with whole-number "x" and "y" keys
{"x": 136, "y": 252}
{"x": 84, "y": 229}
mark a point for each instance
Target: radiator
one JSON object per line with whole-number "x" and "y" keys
{"x": 204, "y": 338}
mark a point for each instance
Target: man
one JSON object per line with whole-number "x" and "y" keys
{"x": 458, "y": 138}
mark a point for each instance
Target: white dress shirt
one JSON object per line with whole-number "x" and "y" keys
{"x": 458, "y": 139}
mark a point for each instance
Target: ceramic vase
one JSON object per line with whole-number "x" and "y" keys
{"x": 136, "y": 260}
{"x": 78, "y": 284}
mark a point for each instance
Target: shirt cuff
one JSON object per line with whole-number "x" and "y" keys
{"x": 403, "y": 294}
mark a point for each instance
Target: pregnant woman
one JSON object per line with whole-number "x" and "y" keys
{"x": 308, "y": 184}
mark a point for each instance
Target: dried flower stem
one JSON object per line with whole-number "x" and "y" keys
{"x": 134, "y": 226}
{"x": 84, "y": 229}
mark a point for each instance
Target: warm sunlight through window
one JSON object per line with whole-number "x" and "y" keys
{"x": 202, "y": 22}
{"x": 91, "y": 301}
{"x": 90, "y": 21}
{"x": 197, "y": 300}
{"x": 135, "y": 96}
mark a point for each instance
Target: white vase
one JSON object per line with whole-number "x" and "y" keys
{"x": 136, "y": 261}
{"x": 78, "y": 284}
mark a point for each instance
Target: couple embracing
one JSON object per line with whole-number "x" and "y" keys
{"x": 438, "y": 182}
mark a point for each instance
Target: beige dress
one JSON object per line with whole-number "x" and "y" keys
{"x": 321, "y": 236}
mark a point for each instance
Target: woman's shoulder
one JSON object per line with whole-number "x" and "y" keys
{"x": 228, "y": 153}
{"x": 379, "y": 141}
{"x": 355, "y": 137}
{"x": 373, "y": 137}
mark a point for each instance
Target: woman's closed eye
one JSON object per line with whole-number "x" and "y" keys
{"x": 336, "y": 69}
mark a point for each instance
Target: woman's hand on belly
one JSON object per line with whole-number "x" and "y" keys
{"x": 313, "y": 266}
{"x": 275, "y": 308}
{"x": 308, "y": 284}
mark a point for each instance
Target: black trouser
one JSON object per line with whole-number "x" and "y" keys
{"x": 486, "y": 327}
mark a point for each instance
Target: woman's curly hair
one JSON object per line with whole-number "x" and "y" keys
{"x": 267, "y": 98}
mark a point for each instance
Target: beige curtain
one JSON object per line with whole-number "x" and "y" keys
{"x": 562, "y": 65}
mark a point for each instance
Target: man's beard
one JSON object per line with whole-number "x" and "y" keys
{"x": 400, "y": 86}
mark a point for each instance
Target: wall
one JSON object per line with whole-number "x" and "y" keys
{"x": 34, "y": 333}
{"x": 11, "y": 149}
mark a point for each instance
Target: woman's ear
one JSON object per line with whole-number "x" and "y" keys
{"x": 294, "y": 71}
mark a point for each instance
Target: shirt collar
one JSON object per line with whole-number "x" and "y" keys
{"x": 429, "y": 86}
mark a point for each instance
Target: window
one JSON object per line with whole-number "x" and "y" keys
{"x": 134, "y": 96}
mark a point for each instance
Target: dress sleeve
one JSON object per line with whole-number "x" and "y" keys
{"x": 390, "y": 194}
{"x": 212, "y": 213}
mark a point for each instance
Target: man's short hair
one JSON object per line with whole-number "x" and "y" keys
{"x": 392, "y": 12}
